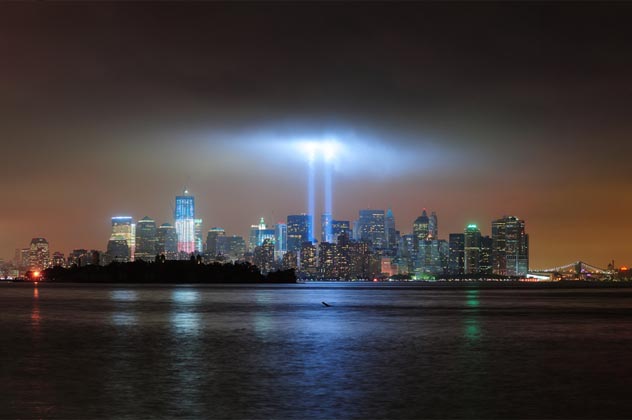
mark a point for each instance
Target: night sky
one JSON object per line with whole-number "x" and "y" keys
{"x": 473, "y": 110}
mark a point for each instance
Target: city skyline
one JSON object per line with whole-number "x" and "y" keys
{"x": 243, "y": 229}
{"x": 369, "y": 247}
{"x": 467, "y": 109}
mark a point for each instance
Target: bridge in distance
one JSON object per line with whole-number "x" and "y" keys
{"x": 578, "y": 270}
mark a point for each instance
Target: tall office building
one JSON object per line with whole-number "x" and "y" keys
{"x": 232, "y": 248}
{"x": 289, "y": 261}
{"x": 185, "y": 222}
{"x": 308, "y": 260}
{"x": 121, "y": 245}
{"x": 370, "y": 227}
{"x": 472, "y": 249}
{"x": 39, "y": 254}
{"x": 58, "y": 259}
{"x": 167, "y": 241}
{"x": 432, "y": 257}
{"x": 211, "y": 240}
{"x": 146, "y": 239}
{"x": 327, "y": 260}
{"x": 264, "y": 256}
{"x": 22, "y": 257}
{"x": 299, "y": 228}
{"x": 340, "y": 227}
{"x": 118, "y": 250}
{"x": 485, "y": 259}
{"x": 421, "y": 228}
{"x": 326, "y": 228}
{"x": 407, "y": 253}
{"x": 199, "y": 240}
{"x": 433, "y": 226}
{"x": 258, "y": 234}
{"x": 280, "y": 240}
{"x": 456, "y": 263}
{"x": 510, "y": 247}
{"x": 390, "y": 231}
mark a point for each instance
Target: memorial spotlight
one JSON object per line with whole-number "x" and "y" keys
{"x": 325, "y": 151}
{"x": 328, "y": 150}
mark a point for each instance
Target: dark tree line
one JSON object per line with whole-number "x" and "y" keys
{"x": 167, "y": 272}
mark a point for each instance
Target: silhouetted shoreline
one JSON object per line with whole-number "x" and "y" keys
{"x": 175, "y": 272}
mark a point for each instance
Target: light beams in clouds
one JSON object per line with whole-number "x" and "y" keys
{"x": 348, "y": 153}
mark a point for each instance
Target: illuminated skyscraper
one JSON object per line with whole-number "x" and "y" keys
{"x": 510, "y": 247}
{"x": 39, "y": 254}
{"x": 167, "y": 243}
{"x": 280, "y": 240}
{"x": 340, "y": 227}
{"x": 327, "y": 260}
{"x": 299, "y": 228}
{"x": 421, "y": 228}
{"x": 432, "y": 258}
{"x": 433, "y": 226}
{"x": 58, "y": 259}
{"x": 457, "y": 253}
{"x": 118, "y": 250}
{"x": 485, "y": 260}
{"x": 326, "y": 231}
{"x": 122, "y": 239}
{"x": 146, "y": 239}
{"x": 391, "y": 232}
{"x": 308, "y": 260}
{"x": 185, "y": 222}
{"x": 211, "y": 240}
{"x": 199, "y": 243}
{"x": 231, "y": 247}
{"x": 258, "y": 234}
{"x": 370, "y": 227}
{"x": 22, "y": 257}
{"x": 289, "y": 261}
{"x": 407, "y": 253}
{"x": 472, "y": 249}
{"x": 264, "y": 256}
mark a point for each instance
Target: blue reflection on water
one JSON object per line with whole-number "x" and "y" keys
{"x": 123, "y": 313}
{"x": 185, "y": 296}
{"x": 185, "y": 318}
{"x": 124, "y": 295}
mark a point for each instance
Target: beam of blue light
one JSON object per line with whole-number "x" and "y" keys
{"x": 311, "y": 194}
{"x": 328, "y": 197}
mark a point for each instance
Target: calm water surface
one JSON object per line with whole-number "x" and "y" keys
{"x": 128, "y": 351}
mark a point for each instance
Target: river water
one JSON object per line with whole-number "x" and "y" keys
{"x": 132, "y": 351}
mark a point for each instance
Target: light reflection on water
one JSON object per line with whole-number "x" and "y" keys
{"x": 277, "y": 352}
{"x": 185, "y": 316}
{"x": 35, "y": 312}
{"x": 123, "y": 314}
{"x": 471, "y": 319}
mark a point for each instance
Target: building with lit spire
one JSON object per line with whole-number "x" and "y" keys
{"x": 184, "y": 216}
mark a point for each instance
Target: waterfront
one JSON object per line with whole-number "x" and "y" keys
{"x": 129, "y": 351}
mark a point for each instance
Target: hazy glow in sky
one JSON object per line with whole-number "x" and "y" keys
{"x": 350, "y": 153}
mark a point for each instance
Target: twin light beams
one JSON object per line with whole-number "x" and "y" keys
{"x": 324, "y": 152}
